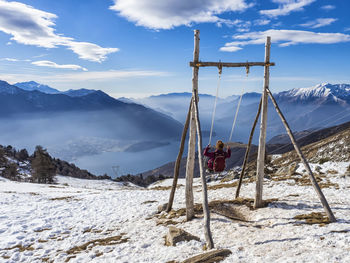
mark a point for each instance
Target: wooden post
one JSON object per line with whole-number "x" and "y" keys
{"x": 262, "y": 139}
{"x": 178, "y": 160}
{"x": 246, "y": 156}
{"x": 317, "y": 188}
{"x": 206, "y": 212}
{"x": 192, "y": 136}
{"x": 190, "y": 166}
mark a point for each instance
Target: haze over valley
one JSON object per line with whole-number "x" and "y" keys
{"x": 96, "y": 131}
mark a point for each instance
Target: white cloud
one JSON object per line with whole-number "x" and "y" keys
{"x": 40, "y": 56}
{"x": 167, "y": 14}
{"x": 328, "y": 7}
{"x": 9, "y": 59}
{"x": 89, "y": 51}
{"x": 286, "y": 7}
{"x": 107, "y": 75}
{"x": 15, "y": 60}
{"x": 31, "y": 26}
{"x": 262, "y": 22}
{"x": 284, "y": 38}
{"x": 320, "y": 22}
{"x": 50, "y": 64}
{"x": 83, "y": 77}
{"x": 230, "y": 48}
{"x": 241, "y": 25}
{"x": 347, "y": 29}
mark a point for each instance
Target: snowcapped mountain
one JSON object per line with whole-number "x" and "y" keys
{"x": 305, "y": 108}
{"x": 32, "y": 85}
{"x": 325, "y": 92}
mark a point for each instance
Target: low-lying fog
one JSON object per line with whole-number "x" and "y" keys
{"x": 92, "y": 140}
{"x": 99, "y": 140}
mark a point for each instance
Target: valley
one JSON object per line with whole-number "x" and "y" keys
{"x": 96, "y": 131}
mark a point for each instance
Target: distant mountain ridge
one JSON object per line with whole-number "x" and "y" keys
{"x": 319, "y": 93}
{"x": 305, "y": 108}
{"x": 59, "y": 121}
{"x": 278, "y": 147}
{"x": 34, "y": 86}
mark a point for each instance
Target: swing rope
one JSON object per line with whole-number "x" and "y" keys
{"x": 238, "y": 106}
{"x": 216, "y": 100}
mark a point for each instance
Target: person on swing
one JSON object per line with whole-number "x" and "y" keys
{"x": 217, "y": 159}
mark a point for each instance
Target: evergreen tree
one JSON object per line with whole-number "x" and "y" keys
{"x": 10, "y": 171}
{"x": 3, "y": 159}
{"x": 22, "y": 155}
{"x": 43, "y": 167}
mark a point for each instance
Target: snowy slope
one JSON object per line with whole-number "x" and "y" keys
{"x": 321, "y": 92}
{"x": 43, "y": 222}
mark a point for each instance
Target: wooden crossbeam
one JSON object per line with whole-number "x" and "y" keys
{"x": 230, "y": 65}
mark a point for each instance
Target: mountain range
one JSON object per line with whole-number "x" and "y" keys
{"x": 305, "y": 109}
{"x": 34, "y": 86}
{"x": 306, "y": 140}
{"x": 36, "y": 114}
{"x": 32, "y": 113}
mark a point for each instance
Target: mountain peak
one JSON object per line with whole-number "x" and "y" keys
{"x": 32, "y": 85}
{"x": 323, "y": 91}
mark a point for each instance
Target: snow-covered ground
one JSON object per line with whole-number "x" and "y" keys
{"x": 41, "y": 223}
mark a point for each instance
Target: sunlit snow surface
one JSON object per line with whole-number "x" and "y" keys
{"x": 88, "y": 210}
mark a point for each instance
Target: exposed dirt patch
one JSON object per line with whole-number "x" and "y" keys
{"x": 47, "y": 260}
{"x": 42, "y": 230}
{"x": 64, "y": 198}
{"x": 227, "y": 208}
{"x": 304, "y": 180}
{"x": 210, "y": 257}
{"x": 53, "y": 186}
{"x": 98, "y": 254}
{"x": 167, "y": 222}
{"x": 114, "y": 240}
{"x": 332, "y": 171}
{"x": 70, "y": 257}
{"x": 21, "y": 248}
{"x": 250, "y": 179}
{"x": 162, "y": 188}
{"x": 294, "y": 195}
{"x": 92, "y": 230}
{"x": 149, "y": 202}
{"x": 220, "y": 186}
{"x": 313, "y": 218}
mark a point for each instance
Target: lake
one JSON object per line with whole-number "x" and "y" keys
{"x": 129, "y": 162}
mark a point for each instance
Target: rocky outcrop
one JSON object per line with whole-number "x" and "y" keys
{"x": 209, "y": 257}
{"x": 176, "y": 235}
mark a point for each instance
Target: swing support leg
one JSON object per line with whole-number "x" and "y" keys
{"x": 246, "y": 156}
{"x": 317, "y": 188}
{"x": 190, "y": 166}
{"x": 258, "y": 202}
{"x": 205, "y": 205}
{"x": 178, "y": 160}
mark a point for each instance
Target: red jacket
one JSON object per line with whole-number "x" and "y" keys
{"x": 211, "y": 155}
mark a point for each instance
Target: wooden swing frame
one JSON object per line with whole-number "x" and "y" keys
{"x": 192, "y": 122}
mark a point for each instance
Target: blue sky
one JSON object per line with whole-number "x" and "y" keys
{"x": 137, "y": 48}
